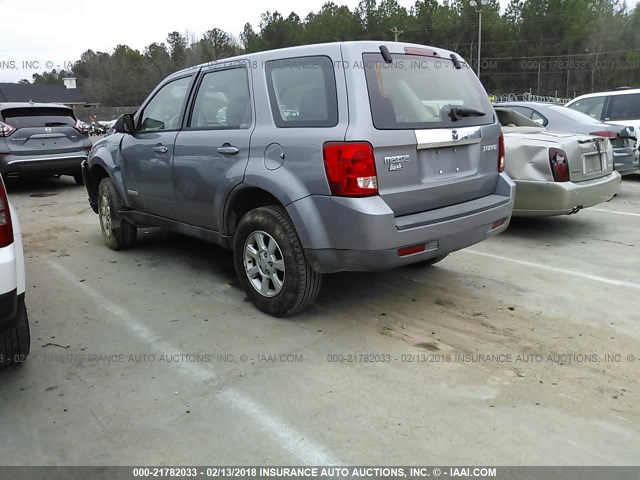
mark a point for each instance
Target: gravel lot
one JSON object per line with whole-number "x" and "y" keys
{"x": 524, "y": 349}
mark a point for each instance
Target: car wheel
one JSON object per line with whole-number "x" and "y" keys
{"x": 16, "y": 342}
{"x": 78, "y": 178}
{"x": 431, "y": 261}
{"x": 117, "y": 232}
{"x": 271, "y": 264}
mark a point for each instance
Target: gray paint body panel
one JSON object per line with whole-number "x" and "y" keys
{"x": 416, "y": 204}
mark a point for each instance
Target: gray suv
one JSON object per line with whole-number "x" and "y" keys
{"x": 309, "y": 160}
{"x": 40, "y": 139}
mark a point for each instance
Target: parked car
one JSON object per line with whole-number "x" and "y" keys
{"x": 562, "y": 119}
{"x": 14, "y": 324}
{"x": 618, "y": 107}
{"x": 41, "y": 139}
{"x": 310, "y": 160}
{"x": 555, "y": 173}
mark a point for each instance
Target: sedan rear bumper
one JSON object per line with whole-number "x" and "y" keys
{"x": 540, "y": 199}
{"x": 14, "y": 166}
{"x": 626, "y": 160}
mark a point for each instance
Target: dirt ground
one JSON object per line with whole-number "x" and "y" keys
{"x": 522, "y": 350}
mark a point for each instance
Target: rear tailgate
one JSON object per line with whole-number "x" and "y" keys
{"x": 425, "y": 159}
{"x": 42, "y": 130}
{"x": 422, "y": 170}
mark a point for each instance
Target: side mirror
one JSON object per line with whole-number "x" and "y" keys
{"x": 125, "y": 124}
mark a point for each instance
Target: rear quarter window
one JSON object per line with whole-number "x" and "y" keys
{"x": 302, "y": 92}
{"x": 38, "y": 117}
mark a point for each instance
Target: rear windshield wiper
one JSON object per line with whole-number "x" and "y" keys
{"x": 456, "y": 113}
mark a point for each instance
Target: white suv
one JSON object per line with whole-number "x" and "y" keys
{"x": 14, "y": 325}
{"x": 619, "y": 107}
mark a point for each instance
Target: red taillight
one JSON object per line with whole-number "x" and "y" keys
{"x": 6, "y": 130}
{"x": 501, "y": 153}
{"x": 605, "y": 134}
{"x": 351, "y": 169}
{"x": 6, "y": 229}
{"x": 420, "y": 51}
{"x": 498, "y": 223}
{"x": 403, "y": 252}
{"x": 81, "y": 127}
{"x": 559, "y": 165}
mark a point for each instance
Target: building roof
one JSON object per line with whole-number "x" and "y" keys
{"x": 22, "y": 92}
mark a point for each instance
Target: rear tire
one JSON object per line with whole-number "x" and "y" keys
{"x": 117, "y": 232}
{"x": 271, "y": 265}
{"x": 15, "y": 343}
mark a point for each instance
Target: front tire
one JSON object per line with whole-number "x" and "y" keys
{"x": 117, "y": 232}
{"x": 15, "y": 343}
{"x": 271, "y": 265}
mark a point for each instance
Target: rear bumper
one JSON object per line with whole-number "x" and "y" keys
{"x": 538, "y": 199}
{"x": 626, "y": 160}
{"x": 15, "y": 166}
{"x": 362, "y": 234}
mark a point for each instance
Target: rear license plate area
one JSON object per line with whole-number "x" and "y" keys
{"x": 442, "y": 163}
{"x": 592, "y": 164}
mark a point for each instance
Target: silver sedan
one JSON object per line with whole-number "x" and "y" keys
{"x": 562, "y": 119}
{"x": 555, "y": 173}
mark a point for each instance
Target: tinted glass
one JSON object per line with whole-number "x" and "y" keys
{"x": 164, "y": 111}
{"x": 302, "y": 92}
{"x": 419, "y": 92}
{"x": 223, "y": 101}
{"x": 38, "y": 117}
{"x": 624, "y": 107}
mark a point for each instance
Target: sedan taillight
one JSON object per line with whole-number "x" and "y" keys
{"x": 559, "y": 165}
{"x": 6, "y": 130}
{"x": 6, "y": 228}
{"x": 605, "y": 134}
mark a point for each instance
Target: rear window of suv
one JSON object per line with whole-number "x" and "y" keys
{"x": 418, "y": 92}
{"x": 38, "y": 117}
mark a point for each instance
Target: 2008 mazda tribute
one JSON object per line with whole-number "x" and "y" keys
{"x": 310, "y": 160}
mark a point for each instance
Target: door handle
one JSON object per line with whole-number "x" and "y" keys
{"x": 227, "y": 149}
{"x": 160, "y": 149}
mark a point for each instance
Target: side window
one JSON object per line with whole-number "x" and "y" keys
{"x": 539, "y": 119}
{"x": 164, "y": 111}
{"x": 624, "y": 107}
{"x": 591, "y": 106}
{"x": 223, "y": 101}
{"x": 302, "y": 92}
{"x": 522, "y": 111}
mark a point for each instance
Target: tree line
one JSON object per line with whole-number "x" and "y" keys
{"x": 546, "y": 47}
